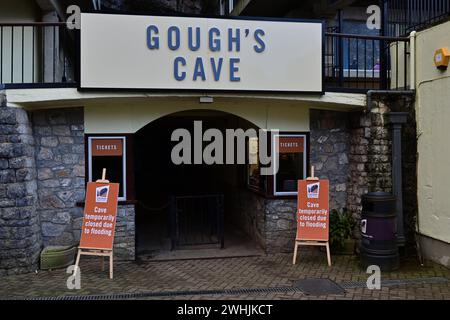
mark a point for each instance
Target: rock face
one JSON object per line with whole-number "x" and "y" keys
{"x": 20, "y": 232}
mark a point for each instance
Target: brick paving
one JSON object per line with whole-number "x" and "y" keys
{"x": 228, "y": 273}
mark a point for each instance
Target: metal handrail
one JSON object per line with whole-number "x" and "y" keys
{"x": 339, "y": 48}
{"x": 405, "y": 16}
{"x": 31, "y": 24}
{"x": 366, "y": 37}
{"x": 36, "y": 55}
{"x": 355, "y": 62}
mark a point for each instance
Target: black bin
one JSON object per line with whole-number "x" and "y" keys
{"x": 379, "y": 231}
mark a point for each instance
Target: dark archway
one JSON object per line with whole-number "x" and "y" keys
{"x": 158, "y": 180}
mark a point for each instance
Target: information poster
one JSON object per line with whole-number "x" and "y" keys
{"x": 100, "y": 213}
{"x": 313, "y": 210}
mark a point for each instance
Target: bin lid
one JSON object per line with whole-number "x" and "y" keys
{"x": 378, "y": 196}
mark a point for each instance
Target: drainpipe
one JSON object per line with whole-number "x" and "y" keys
{"x": 397, "y": 119}
{"x": 412, "y": 60}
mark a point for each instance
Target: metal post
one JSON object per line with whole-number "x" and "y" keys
{"x": 397, "y": 119}
{"x": 2, "y": 96}
{"x": 341, "y": 50}
{"x": 384, "y": 54}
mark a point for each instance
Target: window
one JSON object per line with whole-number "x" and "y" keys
{"x": 292, "y": 156}
{"x": 108, "y": 153}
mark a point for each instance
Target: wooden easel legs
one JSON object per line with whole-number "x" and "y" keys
{"x": 294, "y": 259}
{"x": 328, "y": 254}
{"x": 312, "y": 243}
{"x": 95, "y": 252}
{"x": 77, "y": 262}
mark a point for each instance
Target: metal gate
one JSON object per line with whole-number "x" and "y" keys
{"x": 197, "y": 220}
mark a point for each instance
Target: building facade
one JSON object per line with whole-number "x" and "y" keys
{"x": 54, "y": 132}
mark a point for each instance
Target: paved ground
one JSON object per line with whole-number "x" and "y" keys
{"x": 229, "y": 273}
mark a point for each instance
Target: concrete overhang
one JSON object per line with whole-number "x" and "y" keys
{"x": 69, "y": 97}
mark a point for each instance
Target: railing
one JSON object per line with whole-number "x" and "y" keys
{"x": 359, "y": 63}
{"x": 197, "y": 220}
{"x": 43, "y": 55}
{"x": 404, "y": 16}
{"x": 36, "y": 55}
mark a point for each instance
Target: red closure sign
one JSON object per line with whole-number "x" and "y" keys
{"x": 313, "y": 210}
{"x": 99, "y": 219}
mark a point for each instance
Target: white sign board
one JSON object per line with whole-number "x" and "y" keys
{"x": 155, "y": 52}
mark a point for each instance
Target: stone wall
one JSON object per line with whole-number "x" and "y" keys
{"x": 353, "y": 151}
{"x": 281, "y": 225}
{"x": 124, "y": 239}
{"x": 250, "y": 215}
{"x": 370, "y": 156}
{"x": 41, "y": 180}
{"x": 329, "y": 138}
{"x": 329, "y": 147}
{"x": 60, "y": 164}
{"x": 269, "y": 222}
{"x": 59, "y": 136}
{"x": 20, "y": 233}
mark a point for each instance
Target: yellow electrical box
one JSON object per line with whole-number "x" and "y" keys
{"x": 442, "y": 58}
